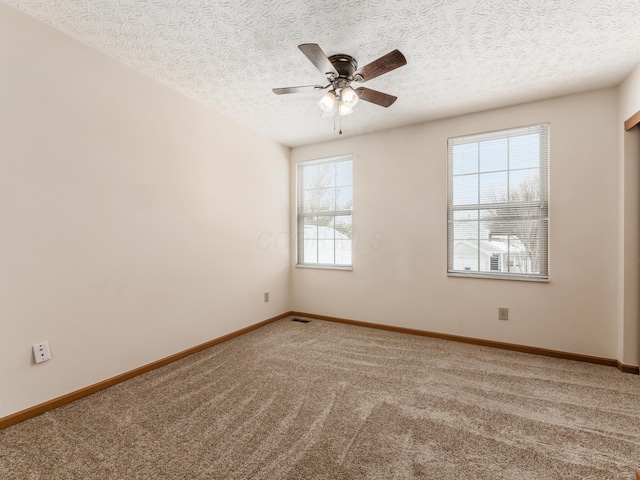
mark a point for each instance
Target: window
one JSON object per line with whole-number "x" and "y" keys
{"x": 325, "y": 202}
{"x": 498, "y": 219}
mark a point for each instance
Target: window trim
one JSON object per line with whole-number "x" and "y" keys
{"x": 299, "y": 253}
{"x": 543, "y": 203}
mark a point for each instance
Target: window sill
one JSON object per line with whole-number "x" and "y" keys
{"x": 489, "y": 276}
{"x": 324, "y": 266}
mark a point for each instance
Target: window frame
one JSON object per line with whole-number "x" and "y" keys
{"x": 543, "y": 130}
{"x": 300, "y": 215}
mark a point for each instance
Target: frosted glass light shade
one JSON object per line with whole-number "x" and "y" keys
{"x": 344, "y": 109}
{"x": 349, "y": 97}
{"x": 327, "y": 101}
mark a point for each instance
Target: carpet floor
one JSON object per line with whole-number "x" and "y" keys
{"x": 323, "y": 400}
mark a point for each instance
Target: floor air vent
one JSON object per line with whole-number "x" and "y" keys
{"x": 301, "y": 320}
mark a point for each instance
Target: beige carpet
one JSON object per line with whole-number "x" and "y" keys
{"x": 330, "y": 401}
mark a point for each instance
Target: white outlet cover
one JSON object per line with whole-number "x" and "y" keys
{"x": 41, "y": 352}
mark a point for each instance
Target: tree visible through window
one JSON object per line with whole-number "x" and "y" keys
{"x": 325, "y": 204}
{"x": 498, "y": 208}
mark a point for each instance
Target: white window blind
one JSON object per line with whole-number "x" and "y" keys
{"x": 325, "y": 204}
{"x": 498, "y": 220}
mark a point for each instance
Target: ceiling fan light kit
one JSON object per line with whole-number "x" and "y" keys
{"x": 340, "y": 71}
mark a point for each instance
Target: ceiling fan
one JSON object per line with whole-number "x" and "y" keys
{"x": 341, "y": 71}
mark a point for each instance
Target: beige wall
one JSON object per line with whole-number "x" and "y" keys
{"x": 400, "y": 261}
{"x": 131, "y": 217}
{"x": 629, "y": 214}
{"x": 138, "y": 223}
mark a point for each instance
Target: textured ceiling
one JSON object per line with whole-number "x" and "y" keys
{"x": 463, "y": 55}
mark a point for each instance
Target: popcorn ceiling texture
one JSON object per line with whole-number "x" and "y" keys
{"x": 463, "y": 55}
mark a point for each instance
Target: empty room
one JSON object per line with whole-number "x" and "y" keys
{"x": 276, "y": 239}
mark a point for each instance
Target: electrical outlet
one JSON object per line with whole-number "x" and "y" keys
{"x": 503, "y": 313}
{"x": 266, "y": 296}
{"x": 41, "y": 352}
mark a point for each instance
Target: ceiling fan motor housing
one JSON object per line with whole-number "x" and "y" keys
{"x": 345, "y": 65}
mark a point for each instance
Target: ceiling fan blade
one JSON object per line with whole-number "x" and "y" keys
{"x": 374, "y": 96}
{"x": 302, "y": 88}
{"x": 314, "y": 53}
{"x": 384, "y": 64}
